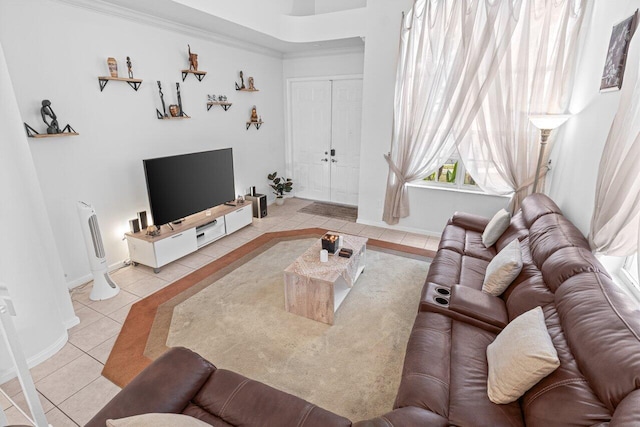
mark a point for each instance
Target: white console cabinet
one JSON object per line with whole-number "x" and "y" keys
{"x": 193, "y": 233}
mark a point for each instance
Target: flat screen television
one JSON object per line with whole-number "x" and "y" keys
{"x": 179, "y": 186}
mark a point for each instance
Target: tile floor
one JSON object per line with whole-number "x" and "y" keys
{"x": 70, "y": 385}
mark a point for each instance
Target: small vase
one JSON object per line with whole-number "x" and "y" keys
{"x": 174, "y": 110}
{"x": 113, "y": 66}
{"x": 279, "y": 201}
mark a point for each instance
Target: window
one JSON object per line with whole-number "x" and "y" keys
{"x": 453, "y": 173}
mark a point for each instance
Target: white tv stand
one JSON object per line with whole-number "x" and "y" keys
{"x": 191, "y": 234}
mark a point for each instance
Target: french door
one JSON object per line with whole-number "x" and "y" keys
{"x": 326, "y": 117}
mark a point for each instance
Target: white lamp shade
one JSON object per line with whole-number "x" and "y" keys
{"x": 548, "y": 121}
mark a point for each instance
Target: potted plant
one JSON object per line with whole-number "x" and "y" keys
{"x": 280, "y": 186}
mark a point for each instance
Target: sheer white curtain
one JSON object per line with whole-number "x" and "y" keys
{"x": 535, "y": 76}
{"x": 615, "y": 226}
{"x": 450, "y": 51}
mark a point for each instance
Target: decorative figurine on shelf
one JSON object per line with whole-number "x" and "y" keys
{"x": 113, "y": 67}
{"x": 46, "y": 110}
{"x": 222, "y": 98}
{"x": 251, "y": 86}
{"x": 254, "y": 115}
{"x": 174, "y": 110}
{"x": 242, "y": 86}
{"x": 129, "y": 67}
{"x": 193, "y": 60}
{"x": 164, "y": 109}
{"x": 211, "y": 98}
{"x": 180, "y": 111}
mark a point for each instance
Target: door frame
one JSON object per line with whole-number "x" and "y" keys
{"x": 288, "y": 135}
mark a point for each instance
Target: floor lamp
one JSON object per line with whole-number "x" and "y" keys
{"x": 546, "y": 123}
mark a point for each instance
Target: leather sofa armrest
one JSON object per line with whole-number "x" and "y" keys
{"x": 166, "y": 385}
{"x": 478, "y": 305}
{"x": 407, "y": 416}
{"x": 469, "y": 221}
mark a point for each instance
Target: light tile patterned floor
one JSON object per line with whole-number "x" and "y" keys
{"x": 70, "y": 385}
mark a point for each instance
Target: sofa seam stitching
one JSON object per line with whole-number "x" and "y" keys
{"x": 303, "y": 420}
{"x": 232, "y": 396}
{"x": 552, "y": 386}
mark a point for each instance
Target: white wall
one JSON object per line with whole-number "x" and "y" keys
{"x": 580, "y": 142}
{"x": 29, "y": 262}
{"x": 330, "y": 63}
{"x": 55, "y": 51}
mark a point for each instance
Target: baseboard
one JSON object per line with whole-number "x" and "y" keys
{"x": 383, "y": 224}
{"x": 88, "y": 277}
{"x": 70, "y": 323}
{"x": 35, "y": 360}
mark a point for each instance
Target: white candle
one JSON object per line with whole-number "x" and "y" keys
{"x": 324, "y": 255}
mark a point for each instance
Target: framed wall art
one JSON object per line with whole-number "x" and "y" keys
{"x": 617, "y": 54}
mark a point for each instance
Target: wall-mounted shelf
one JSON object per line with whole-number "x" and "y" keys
{"x": 225, "y": 105}
{"x": 198, "y": 74}
{"x": 161, "y": 117}
{"x": 248, "y": 90}
{"x": 67, "y": 131}
{"x": 134, "y": 83}
{"x": 256, "y": 124}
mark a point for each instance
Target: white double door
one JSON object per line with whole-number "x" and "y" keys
{"x": 326, "y": 116}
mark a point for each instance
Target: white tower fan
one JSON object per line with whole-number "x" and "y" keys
{"x": 103, "y": 286}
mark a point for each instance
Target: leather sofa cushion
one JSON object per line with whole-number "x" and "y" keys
{"x": 551, "y": 233}
{"x": 564, "y": 397}
{"x": 566, "y": 263}
{"x": 404, "y": 417}
{"x": 537, "y": 205}
{"x": 601, "y": 324}
{"x": 445, "y": 372}
{"x": 465, "y": 242}
{"x": 241, "y": 401}
{"x": 445, "y": 268}
{"x": 517, "y": 230}
{"x": 627, "y": 413}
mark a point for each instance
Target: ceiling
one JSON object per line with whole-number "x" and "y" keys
{"x": 192, "y": 18}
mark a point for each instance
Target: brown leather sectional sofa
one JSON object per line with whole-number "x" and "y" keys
{"x": 594, "y": 326}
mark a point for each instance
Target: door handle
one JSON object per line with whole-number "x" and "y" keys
{"x": 334, "y": 161}
{"x": 324, "y": 160}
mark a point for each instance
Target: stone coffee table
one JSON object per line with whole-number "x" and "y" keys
{"x": 316, "y": 289}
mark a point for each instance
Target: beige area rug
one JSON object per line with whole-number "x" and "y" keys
{"x": 352, "y": 368}
{"x": 346, "y": 213}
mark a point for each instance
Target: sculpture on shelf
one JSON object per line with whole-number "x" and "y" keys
{"x": 129, "y": 67}
{"x": 113, "y": 67}
{"x": 211, "y": 98}
{"x": 251, "y": 86}
{"x": 164, "y": 109}
{"x": 174, "y": 110}
{"x": 193, "y": 60}
{"x": 180, "y": 111}
{"x": 242, "y": 86}
{"x": 47, "y": 111}
{"x": 254, "y": 115}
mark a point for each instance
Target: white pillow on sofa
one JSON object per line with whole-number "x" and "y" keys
{"x": 494, "y": 229}
{"x": 158, "y": 420}
{"x": 520, "y": 356}
{"x": 503, "y": 269}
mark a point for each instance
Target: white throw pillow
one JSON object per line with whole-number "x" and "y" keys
{"x": 521, "y": 355}
{"x": 158, "y": 420}
{"x": 498, "y": 225}
{"x": 503, "y": 269}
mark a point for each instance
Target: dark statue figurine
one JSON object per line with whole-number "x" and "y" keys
{"x": 129, "y": 67}
{"x": 46, "y": 110}
{"x": 180, "y": 111}
{"x": 164, "y": 108}
{"x": 241, "y": 86}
